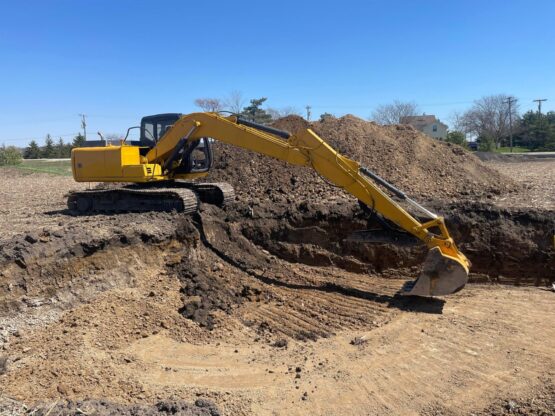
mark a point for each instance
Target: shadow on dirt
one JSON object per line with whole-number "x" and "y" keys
{"x": 398, "y": 301}
{"x": 64, "y": 211}
{"x": 413, "y": 304}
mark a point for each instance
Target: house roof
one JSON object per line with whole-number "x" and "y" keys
{"x": 421, "y": 121}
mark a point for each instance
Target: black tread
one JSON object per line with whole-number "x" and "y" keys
{"x": 217, "y": 193}
{"x": 171, "y": 196}
{"x": 128, "y": 199}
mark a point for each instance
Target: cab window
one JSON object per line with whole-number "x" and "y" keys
{"x": 149, "y": 131}
{"x": 162, "y": 126}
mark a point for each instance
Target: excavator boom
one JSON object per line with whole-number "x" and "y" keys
{"x": 445, "y": 269}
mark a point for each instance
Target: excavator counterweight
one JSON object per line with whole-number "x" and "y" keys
{"x": 175, "y": 147}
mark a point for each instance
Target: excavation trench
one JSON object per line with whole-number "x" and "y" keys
{"x": 266, "y": 256}
{"x": 253, "y": 252}
{"x": 511, "y": 246}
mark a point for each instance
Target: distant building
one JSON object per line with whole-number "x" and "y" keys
{"x": 428, "y": 125}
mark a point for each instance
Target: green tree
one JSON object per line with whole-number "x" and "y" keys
{"x": 255, "y": 113}
{"x": 79, "y": 140}
{"x": 60, "y": 149}
{"x": 326, "y": 116}
{"x": 9, "y": 156}
{"x": 486, "y": 143}
{"x": 456, "y": 137}
{"x": 550, "y": 142}
{"x": 32, "y": 151}
{"x": 48, "y": 151}
{"x": 537, "y": 131}
{"x": 68, "y": 147}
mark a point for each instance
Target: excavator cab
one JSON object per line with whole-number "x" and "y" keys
{"x": 154, "y": 127}
{"x": 196, "y": 157}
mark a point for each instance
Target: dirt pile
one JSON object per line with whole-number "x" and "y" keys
{"x": 410, "y": 160}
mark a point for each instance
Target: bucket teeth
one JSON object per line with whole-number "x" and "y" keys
{"x": 441, "y": 275}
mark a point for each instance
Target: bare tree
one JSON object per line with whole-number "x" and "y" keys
{"x": 392, "y": 113}
{"x": 235, "y": 102}
{"x": 283, "y": 112}
{"x": 456, "y": 121}
{"x": 489, "y": 118}
{"x": 212, "y": 105}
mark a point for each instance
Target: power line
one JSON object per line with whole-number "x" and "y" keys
{"x": 84, "y": 124}
{"x": 539, "y": 101}
{"x": 509, "y": 101}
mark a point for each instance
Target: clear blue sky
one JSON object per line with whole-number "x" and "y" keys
{"x": 118, "y": 60}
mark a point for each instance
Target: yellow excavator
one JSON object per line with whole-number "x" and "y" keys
{"x": 173, "y": 150}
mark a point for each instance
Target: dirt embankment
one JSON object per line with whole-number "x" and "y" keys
{"x": 506, "y": 245}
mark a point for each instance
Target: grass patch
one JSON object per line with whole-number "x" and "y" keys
{"x": 54, "y": 167}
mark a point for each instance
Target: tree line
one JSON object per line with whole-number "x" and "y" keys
{"x": 252, "y": 110}
{"x": 51, "y": 149}
{"x": 490, "y": 120}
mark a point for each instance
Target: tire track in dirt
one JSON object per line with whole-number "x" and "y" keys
{"x": 303, "y": 304}
{"x": 451, "y": 364}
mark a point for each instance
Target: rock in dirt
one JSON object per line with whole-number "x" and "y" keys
{"x": 3, "y": 365}
{"x": 358, "y": 341}
{"x": 280, "y": 343}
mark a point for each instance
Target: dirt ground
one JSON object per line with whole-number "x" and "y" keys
{"x": 33, "y": 200}
{"x": 264, "y": 308}
{"x": 537, "y": 176}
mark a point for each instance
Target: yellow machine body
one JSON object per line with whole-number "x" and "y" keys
{"x": 121, "y": 163}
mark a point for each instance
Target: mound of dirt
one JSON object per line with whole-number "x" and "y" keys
{"x": 410, "y": 160}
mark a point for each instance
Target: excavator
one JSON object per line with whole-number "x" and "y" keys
{"x": 162, "y": 169}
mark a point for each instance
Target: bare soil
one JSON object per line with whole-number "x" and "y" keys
{"x": 266, "y": 308}
{"x": 33, "y": 200}
{"x": 537, "y": 177}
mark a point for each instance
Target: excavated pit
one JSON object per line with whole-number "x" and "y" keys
{"x": 227, "y": 258}
{"x": 281, "y": 271}
{"x": 504, "y": 246}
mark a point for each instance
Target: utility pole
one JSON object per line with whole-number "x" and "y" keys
{"x": 308, "y": 112}
{"x": 84, "y": 124}
{"x": 510, "y": 101}
{"x": 539, "y": 101}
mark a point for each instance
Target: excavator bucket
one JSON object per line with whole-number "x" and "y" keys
{"x": 441, "y": 275}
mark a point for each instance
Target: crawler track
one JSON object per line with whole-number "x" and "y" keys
{"x": 133, "y": 200}
{"x": 177, "y": 196}
{"x": 220, "y": 193}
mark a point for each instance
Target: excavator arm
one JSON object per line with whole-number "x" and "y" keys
{"x": 445, "y": 270}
